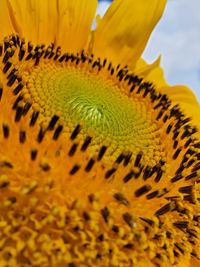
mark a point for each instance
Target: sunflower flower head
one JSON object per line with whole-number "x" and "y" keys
{"x": 100, "y": 157}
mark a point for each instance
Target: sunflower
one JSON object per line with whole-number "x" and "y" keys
{"x": 100, "y": 157}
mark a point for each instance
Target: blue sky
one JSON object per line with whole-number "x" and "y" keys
{"x": 177, "y": 39}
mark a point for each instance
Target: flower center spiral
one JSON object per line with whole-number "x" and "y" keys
{"x": 97, "y": 104}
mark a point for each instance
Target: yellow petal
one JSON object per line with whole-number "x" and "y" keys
{"x": 64, "y": 22}
{"x": 186, "y": 99}
{"x": 6, "y": 24}
{"x": 74, "y": 23}
{"x": 122, "y": 34}
{"x": 156, "y": 75}
{"x": 30, "y": 19}
{"x": 151, "y": 72}
{"x": 178, "y": 94}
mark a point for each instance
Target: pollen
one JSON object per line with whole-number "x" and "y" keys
{"x": 100, "y": 169}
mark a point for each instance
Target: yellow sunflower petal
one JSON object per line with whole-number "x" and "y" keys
{"x": 30, "y": 19}
{"x": 186, "y": 99}
{"x": 157, "y": 76}
{"x": 143, "y": 68}
{"x": 74, "y": 23}
{"x": 178, "y": 94}
{"x": 152, "y": 72}
{"x": 49, "y": 21}
{"x": 123, "y": 32}
{"x": 6, "y": 24}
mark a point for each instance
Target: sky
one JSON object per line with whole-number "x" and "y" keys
{"x": 177, "y": 39}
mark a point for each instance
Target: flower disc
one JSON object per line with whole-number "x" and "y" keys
{"x": 99, "y": 105}
{"x": 100, "y": 168}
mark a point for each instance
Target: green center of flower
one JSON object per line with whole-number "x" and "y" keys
{"x": 98, "y": 104}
